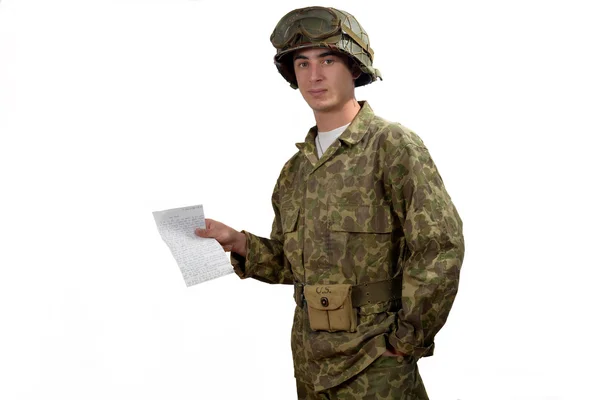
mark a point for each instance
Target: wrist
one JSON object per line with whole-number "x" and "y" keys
{"x": 240, "y": 247}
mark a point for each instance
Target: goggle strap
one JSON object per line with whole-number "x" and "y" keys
{"x": 358, "y": 41}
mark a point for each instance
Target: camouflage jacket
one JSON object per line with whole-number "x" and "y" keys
{"x": 372, "y": 208}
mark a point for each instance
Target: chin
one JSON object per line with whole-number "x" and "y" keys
{"x": 322, "y": 106}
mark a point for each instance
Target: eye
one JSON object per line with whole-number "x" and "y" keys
{"x": 302, "y": 64}
{"x": 328, "y": 61}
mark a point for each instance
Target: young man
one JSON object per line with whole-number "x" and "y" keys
{"x": 363, "y": 228}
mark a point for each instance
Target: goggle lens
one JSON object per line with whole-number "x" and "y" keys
{"x": 314, "y": 24}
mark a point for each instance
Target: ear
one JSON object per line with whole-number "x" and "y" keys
{"x": 355, "y": 70}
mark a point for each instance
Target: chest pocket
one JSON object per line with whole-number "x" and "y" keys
{"x": 289, "y": 219}
{"x": 292, "y": 246}
{"x": 360, "y": 241}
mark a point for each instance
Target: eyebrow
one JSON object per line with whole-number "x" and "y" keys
{"x": 325, "y": 54}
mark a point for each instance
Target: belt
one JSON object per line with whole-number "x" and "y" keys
{"x": 364, "y": 293}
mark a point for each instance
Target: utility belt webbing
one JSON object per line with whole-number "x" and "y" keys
{"x": 364, "y": 293}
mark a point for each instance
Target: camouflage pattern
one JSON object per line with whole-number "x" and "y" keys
{"x": 372, "y": 208}
{"x": 387, "y": 378}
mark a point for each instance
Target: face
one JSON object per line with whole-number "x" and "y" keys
{"x": 324, "y": 79}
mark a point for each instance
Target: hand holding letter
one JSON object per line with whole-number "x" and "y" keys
{"x": 229, "y": 238}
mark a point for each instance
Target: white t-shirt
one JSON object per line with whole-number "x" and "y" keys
{"x": 326, "y": 139}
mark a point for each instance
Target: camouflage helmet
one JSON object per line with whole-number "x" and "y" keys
{"x": 322, "y": 27}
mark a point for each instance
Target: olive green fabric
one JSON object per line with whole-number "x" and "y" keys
{"x": 373, "y": 207}
{"x": 323, "y": 27}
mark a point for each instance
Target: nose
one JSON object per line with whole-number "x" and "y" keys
{"x": 315, "y": 72}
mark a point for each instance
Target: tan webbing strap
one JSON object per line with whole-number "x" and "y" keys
{"x": 363, "y": 294}
{"x": 376, "y": 292}
{"x": 358, "y": 40}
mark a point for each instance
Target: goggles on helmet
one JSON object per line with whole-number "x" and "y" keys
{"x": 313, "y": 23}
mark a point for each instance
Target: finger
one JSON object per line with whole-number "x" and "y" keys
{"x": 227, "y": 248}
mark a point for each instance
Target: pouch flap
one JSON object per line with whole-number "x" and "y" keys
{"x": 327, "y": 297}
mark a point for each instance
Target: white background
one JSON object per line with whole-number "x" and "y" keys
{"x": 110, "y": 110}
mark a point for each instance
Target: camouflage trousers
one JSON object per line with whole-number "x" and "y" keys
{"x": 387, "y": 378}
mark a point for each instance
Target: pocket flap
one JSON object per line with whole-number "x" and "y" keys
{"x": 289, "y": 219}
{"x": 327, "y": 297}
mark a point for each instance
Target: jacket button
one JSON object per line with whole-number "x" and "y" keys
{"x": 324, "y": 301}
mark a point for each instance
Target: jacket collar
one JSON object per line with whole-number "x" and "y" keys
{"x": 352, "y": 135}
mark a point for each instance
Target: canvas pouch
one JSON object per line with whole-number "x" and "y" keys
{"x": 330, "y": 307}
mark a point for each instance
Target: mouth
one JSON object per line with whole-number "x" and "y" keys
{"x": 317, "y": 92}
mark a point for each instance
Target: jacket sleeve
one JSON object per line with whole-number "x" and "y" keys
{"x": 265, "y": 259}
{"x": 433, "y": 249}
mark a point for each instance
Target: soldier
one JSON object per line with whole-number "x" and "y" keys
{"x": 364, "y": 228}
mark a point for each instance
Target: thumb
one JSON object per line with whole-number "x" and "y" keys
{"x": 205, "y": 233}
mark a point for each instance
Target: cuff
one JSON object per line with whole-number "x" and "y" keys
{"x": 243, "y": 266}
{"x": 410, "y": 349}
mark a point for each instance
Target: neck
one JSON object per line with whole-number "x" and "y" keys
{"x": 331, "y": 119}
